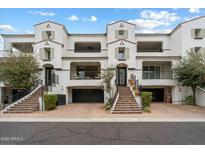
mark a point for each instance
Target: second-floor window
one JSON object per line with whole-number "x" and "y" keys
{"x": 48, "y": 35}
{"x": 87, "y": 47}
{"x": 198, "y": 33}
{"x": 151, "y": 72}
{"x": 121, "y": 53}
{"x": 47, "y": 54}
{"x": 149, "y": 46}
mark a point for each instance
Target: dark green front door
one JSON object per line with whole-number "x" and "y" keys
{"x": 122, "y": 76}
{"x": 48, "y": 76}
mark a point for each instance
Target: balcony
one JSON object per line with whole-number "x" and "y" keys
{"x": 87, "y": 47}
{"x": 18, "y": 49}
{"x": 149, "y": 46}
{"x": 153, "y": 48}
{"x": 157, "y": 73}
{"x": 85, "y": 71}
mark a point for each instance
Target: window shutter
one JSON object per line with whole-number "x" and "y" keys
{"x": 203, "y": 33}
{"x": 126, "y": 53}
{"x": 53, "y": 35}
{"x": 116, "y": 34}
{"x": 116, "y": 53}
{"x": 41, "y": 53}
{"x": 52, "y": 53}
{"x": 203, "y": 52}
{"x": 193, "y": 33}
{"x": 126, "y": 34}
{"x": 56, "y": 79}
{"x": 43, "y": 35}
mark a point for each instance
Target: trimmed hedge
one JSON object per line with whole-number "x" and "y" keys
{"x": 189, "y": 100}
{"x": 146, "y": 99}
{"x": 50, "y": 101}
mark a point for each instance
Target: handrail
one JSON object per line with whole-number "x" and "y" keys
{"x": 200, "y": 88}
{"x": 115, "y": 95}
{"x": 14, "y": 98}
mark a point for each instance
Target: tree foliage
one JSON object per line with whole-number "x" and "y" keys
{"x": 107, "y": 76}
{"x": 190, "y": 71}
{"x": 19, "y": 72}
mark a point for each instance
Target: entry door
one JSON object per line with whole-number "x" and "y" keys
{"x": 122, "y": 76}
{"x": 48, "y": 76}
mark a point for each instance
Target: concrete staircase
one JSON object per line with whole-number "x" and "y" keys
{"x": 29, "y": 105}
{"x": 126, "y": 103}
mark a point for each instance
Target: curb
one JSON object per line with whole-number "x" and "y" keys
{"x": 102, "y": 119}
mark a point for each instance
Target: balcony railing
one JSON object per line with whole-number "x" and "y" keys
{"x": 86, "y": 78}
{"x": 153, "y": 75}
{"x": 87, "y": 51}
{"x": 149, "y": 50}
{"x": 88, "y": 75}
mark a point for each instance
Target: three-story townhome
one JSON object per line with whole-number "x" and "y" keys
{"x": 71, "y": 64}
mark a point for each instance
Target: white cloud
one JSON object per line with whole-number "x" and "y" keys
{"x": 1, "y": 44}
{"x": 159, "y": 15}
{"x": 7, "y": 28}
{"x": 42, "y": 13}
{"x": 190, "y": 18}
{"x": 194, "y": 10}
{"x": 148, "y": 24}
{"x": 73, "y": 18}
{"x": 28, "y": 32}
{"x": 154, "y": 31}
{"x": 93, "y": 19}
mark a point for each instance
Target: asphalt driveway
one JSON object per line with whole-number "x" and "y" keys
{"x": 92, "y": 110}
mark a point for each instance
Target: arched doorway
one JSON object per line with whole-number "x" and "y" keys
{"x": 49, "y": 74}
{"x": 121, "y": 74}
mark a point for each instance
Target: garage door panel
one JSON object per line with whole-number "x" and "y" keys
{"x": 157, "y": 94}
{"x": 88, "y": 95}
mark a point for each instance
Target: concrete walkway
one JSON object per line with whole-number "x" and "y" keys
{"x": 93, "y": 112}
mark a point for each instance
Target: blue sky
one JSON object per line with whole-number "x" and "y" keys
{"x": 95, "y": 20}
{"x": 20, "y": 21}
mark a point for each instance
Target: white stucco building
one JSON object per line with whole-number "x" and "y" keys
{"x": 71, "y": 64}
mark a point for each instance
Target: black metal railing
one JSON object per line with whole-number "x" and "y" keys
{"x": 20, "y": 94}
{"x": 159, "y": 75}
{"x": 116, "y": 92}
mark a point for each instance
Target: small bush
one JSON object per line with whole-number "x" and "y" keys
{"x": 109, "y": 104}
{"x": 146, "y": 99}
{"x": 50, "y": 101}
{"x": 189, "y": 100}
{"x": 147, "y": 109}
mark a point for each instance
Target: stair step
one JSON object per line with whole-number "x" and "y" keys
{"x": 19, "y": 105}
{"x": 126, "y": 103}
{"x": 23, "y": 107}
{"x": 28, "y": 105}
{"x": 120, "y": 102}
{"x": 126, "y": 112}
{"x": 126, "y": 109}
{"x": 124, "y": 100}
{"x": 27, "y": 111}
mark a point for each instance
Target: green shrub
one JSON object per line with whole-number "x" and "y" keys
{"x": 109, "y": 104}
{"x": 147, "y": 109}
{"x": 189, "y": 100}
{"x": 146, "y": 99}
{"x": 50, "y": 101}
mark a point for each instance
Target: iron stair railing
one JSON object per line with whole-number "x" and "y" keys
{"x": 22, "y": 93}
